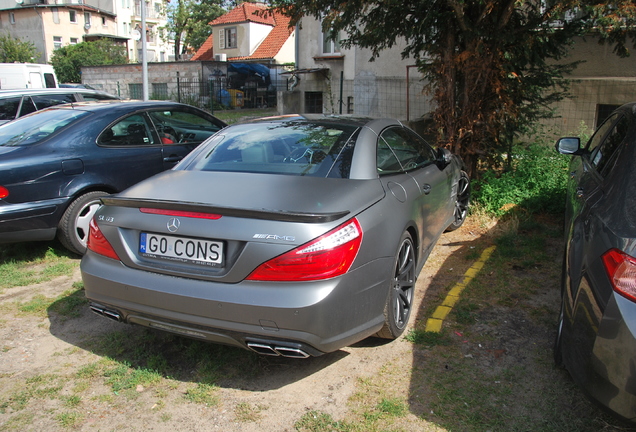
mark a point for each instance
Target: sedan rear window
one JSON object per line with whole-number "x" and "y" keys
{"x": 293, "y": 148}
{"x": 35, "y": 128}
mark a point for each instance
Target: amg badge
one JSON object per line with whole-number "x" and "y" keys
{"x": 274, "y": 237}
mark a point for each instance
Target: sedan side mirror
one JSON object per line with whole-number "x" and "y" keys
{"x": 569, "y": 146}
{"x": 444, "y": 157}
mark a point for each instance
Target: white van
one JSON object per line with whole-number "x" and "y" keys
{"x": 26, "y": 75}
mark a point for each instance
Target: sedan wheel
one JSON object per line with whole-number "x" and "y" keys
{"x": 73, "y": 227}
{"x": 400, "y": 299}
{"x": 462, "y": 201}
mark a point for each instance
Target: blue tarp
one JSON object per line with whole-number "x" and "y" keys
{"x": 249, "y": 69}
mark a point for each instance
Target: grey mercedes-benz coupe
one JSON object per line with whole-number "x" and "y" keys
{"x": 292, "y": 236}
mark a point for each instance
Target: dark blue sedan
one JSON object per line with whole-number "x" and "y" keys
{"x": 56, "y": 164}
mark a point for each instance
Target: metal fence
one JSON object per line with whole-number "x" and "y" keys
{"x": 592, "y": 99}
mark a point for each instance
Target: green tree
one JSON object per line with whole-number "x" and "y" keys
{"x": 68, "y": 60}
{"x": 14, "y": 50}
{"x": 494, "y": 66}
{"x": 188, "y": 22}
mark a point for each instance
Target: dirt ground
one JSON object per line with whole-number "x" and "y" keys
{"x": 285, "y": 391}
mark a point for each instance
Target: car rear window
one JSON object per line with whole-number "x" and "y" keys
{"x": 293, "y": 148}
{"x": 37, "y": 127}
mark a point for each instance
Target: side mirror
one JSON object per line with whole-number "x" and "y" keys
{"x": 444, "y": 157}
{"x": 569, "y": 146}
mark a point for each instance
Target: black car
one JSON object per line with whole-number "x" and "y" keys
{"x": 18, "y": 103}
{"x": 55, "y": 164}
{"x": 596, "y": 337}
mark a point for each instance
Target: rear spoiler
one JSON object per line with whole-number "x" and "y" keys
{"x": 265, "y": 214}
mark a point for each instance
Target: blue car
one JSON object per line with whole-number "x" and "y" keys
{"x": 56, "y": 164}
{"x": 596, "y": 333}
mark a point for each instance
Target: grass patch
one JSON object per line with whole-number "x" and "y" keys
{"x": 202, "y": 394}
{"x": 427, "y": 338}
{"x": 23, "y": 264}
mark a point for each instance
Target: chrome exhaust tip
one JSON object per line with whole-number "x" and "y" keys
{"x": 291, "y": 352}
{"x": 106, "y": 313}
{"x": 112, "y": 315}
{"x": 262, "y": 349}
{"x": 275, "y": 350}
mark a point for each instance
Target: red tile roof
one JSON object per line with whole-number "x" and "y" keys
{"x": 270, "y": 46}
{"x": 245, "y": 12}
{"x": 274, "y": 40}
{"x": 205, "y": 51}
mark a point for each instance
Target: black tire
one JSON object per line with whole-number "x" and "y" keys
{"x": 72, "y": 231}
{"x": 462, "y": 202}
{"x": 399, "y": 303}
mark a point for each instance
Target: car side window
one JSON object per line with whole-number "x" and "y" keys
{"x": 9, "y": 108}
{"x": 182, "y": 126}
{"x": 603, "y": 153}
{"x": 45, "y": 101}
{"x": 409, "y": 149}
{"x": 130, "y": 131}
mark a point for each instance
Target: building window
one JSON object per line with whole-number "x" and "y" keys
{"x": 103, "y": 21}
{"x": 330, "y": 46}
{"x": 87, "y": 18}
{"x": 56, "y": 15}
{"x": 160, "y": 91}
{"x": 136, "y": 91}
{"x": 72, "y": 16}
{"x": 12, "y": 17}
{"x": 73, "y": 41}
{"x": 349, "y": 104}
{"x": 57, "y": 42}
{"x": 313, "y": 102}
{"x": 227, "y": 38}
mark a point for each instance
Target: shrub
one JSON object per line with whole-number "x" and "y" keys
{"x": 536, "y": 183}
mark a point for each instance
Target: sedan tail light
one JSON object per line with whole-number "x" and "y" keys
{"x": 328, "y": 256}
{"x": 621, "y": 269}
{"x": 4, "y": 192}
{"x": 98, "y": 243}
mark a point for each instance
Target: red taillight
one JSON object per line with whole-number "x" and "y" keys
{"x": 621, "y": 269}
{"x": 4, "y": 192}
{"x": 98, "y": 243}
{"x": 180, "y": 213}
{"x": 328, "y": 256}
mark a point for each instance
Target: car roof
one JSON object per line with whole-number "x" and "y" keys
{"x": 49, "y": 91}
{"x": 118, "y": 105}
{"x": 374, "y": 124}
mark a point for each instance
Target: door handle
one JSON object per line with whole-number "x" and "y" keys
{"x": 171, "y": 159}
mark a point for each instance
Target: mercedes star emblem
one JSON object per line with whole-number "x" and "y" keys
{"x": 173, "y": 224}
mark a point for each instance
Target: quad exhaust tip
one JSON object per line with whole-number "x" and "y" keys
{"x": 274, "y": 350}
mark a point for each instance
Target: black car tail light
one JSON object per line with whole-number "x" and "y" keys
{"x": 327, "y": 256}
{"x": 621, "y": 269}
{"x": 4, "y": 192}
{"x": 98, "y": 243}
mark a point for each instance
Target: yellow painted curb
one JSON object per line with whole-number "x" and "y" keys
{"x": 434, "y": 324}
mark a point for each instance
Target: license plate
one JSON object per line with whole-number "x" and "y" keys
{"x": 183, "y": 249}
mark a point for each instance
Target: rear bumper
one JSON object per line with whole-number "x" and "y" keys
{"x": 32, "y": 221}
{"x": 316, "y": 317}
